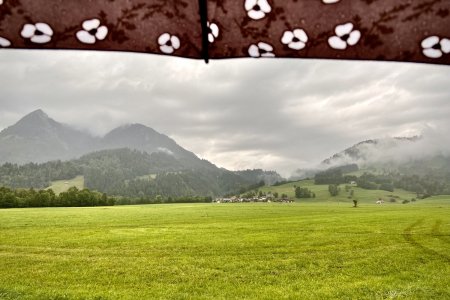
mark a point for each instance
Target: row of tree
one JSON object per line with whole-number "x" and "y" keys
{"x": 19, "y": 198}
{"x": 10, "y": 198}
{"x": 333, "y": 176}
{"x": 161, "y": 200}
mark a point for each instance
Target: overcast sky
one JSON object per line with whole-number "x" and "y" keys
{"x": 280, "y": 114}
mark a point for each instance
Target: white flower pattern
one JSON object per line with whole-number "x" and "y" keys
{"x": 434, "y": 47}
{"x": 257, "y": 9}
{"x": 168, "y": 43}
{"x": 295, "y": 39}
{"x": 39, "y": 33}
{"x": 213, "y": 32}
{"x": 4, "y": 42}
{"x": 92, "y": 31}
{"x": 261, "y": 50}
{"x": 345, "y": 36}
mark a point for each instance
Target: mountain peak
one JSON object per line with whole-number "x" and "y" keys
{"x": 135, "y": 126}
{"x": 38, "y": 138}
{"x": 32, "y": 124}
{"x": 135, "y": 130}
{"x": 36, "y": 116}
{"x": 39, "y": 113}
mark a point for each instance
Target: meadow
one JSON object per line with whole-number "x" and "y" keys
{"x": 322, "y": 193}
{"x": 312, "y": 249}
{"x": 60, "y": 186}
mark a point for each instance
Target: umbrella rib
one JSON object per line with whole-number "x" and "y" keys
{"x": 204, "y": 22}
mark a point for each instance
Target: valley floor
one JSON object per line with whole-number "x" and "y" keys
{"x": 312, "y": 250}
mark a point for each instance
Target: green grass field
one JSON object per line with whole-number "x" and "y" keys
{"x": 63, "y": 185}
{"x": 322, "y": 194}
{"x": 305, "y": 250}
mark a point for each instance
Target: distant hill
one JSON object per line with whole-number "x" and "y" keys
{"x": 372, "y": 151}
{"x": 143, "y": 138}
{"x": 37, "y": 138}
{"x": 134, "y": 173}
{"x": 131, "y": 160}
{"x": 419, "y": 165}
{"x": 269, "y": 177}
{"x": 404, "y": 155}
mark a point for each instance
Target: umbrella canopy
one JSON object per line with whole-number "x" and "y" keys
{"x": 390, "y": 30}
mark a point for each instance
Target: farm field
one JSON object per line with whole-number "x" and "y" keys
{"x": 60, "y": 186}
{"x": 315, "y": 249}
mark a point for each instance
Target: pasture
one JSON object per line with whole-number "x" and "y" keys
{"x": 305, "y": 250}
{"x": 60, "y": 186}
{"x": 322, "y": 194}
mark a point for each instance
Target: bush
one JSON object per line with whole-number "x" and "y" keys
{"x": 303, "y": 193}
{"x": 405, "y": 201}
{"x": 392, "y": 200}
{"x": 355, "y": 203}
{"x": 333, "y": 189}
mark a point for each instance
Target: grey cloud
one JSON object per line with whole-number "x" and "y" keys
{"x": 274, "y": 114}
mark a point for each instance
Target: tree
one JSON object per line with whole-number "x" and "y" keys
{"x": 303, "y": 193}
{"x": 387, "y": 187}
{"x": 7, "y": 200}
{"x": 330, "y": 176}
{"x": 333, "y": 189}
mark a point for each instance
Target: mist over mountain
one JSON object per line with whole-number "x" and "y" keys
{"x": 373, "y": 151}
{"x": 408, "y": 155}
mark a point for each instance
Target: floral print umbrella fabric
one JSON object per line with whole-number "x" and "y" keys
{"x": 389, "y": 30}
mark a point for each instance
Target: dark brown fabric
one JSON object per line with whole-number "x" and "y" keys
{"x": 132, "y": 25}
{"x": 392, "y": 30}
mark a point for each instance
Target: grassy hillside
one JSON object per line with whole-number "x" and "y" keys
{"x": 312, "y": 250}
{"x": 322, "y": 194}
{"x": 60, "y": 186}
